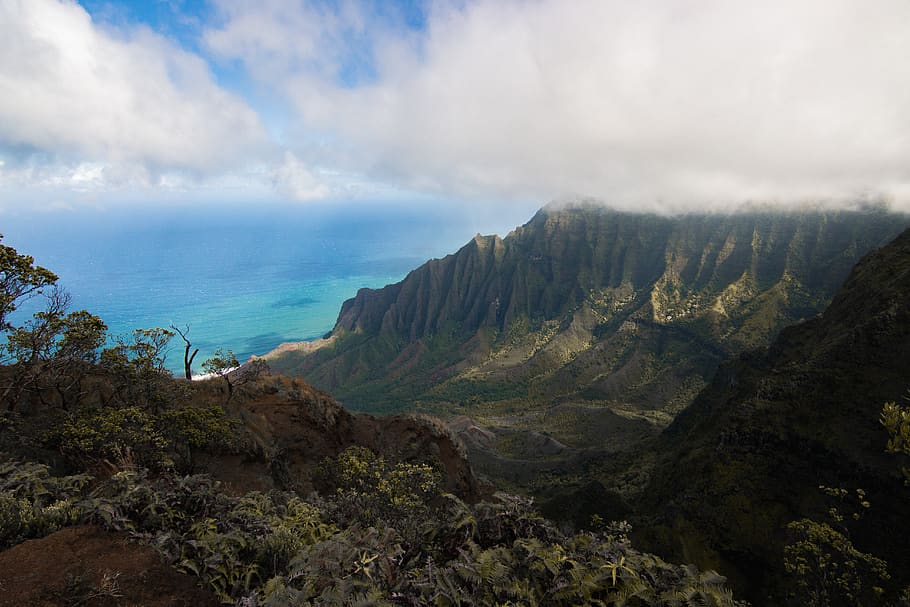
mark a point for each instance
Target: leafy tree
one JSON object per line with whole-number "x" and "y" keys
{"x": 369, "y": 489}
{"x": 827, "y": 568}
{"x": 54, "y": 351}
{"x": 29, "y": 347}
{"x": 189, "y": 428}
{"x": 226, "y": 366}
{"x": 34, "y": 341}
{"x": 137, "y": 368}
{"x": 222, "y": 364}
{"x": 20, "y": 279}
{"x": 896, "y": 420}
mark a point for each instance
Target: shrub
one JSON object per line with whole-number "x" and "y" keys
{"x": 896, "y": 420}
{"x": 367, "y": 488}
{"x": 130, "y": 436}
{"x": 829, "y": 570}
{"x": 34, "y": 504}
{"x": 116, "y": 435}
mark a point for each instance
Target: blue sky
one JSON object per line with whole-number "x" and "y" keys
{"x": 658, "y": 105}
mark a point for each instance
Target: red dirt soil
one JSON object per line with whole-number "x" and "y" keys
{"x": 69, "y": 566}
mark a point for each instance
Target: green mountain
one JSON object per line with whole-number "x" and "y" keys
{"x": 584, "y": 306}
{"x": 750, "y": 453}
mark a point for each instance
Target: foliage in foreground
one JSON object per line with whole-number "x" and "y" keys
{"x": 896, "y": 420}
{"x": 826, "y": 567}
{"x": 270, "y": 549}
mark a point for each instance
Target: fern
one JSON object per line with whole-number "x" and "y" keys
{"x": 271, "y": 549}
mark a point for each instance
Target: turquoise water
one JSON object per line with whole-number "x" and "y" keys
{"x": 244, "y": 278}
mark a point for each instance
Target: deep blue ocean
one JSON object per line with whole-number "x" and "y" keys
{"x": 244, "y": 278}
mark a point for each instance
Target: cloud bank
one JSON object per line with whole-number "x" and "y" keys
{"x": 653, "y": 103}
{"x": 99, "y": 108}
{"x": 657, "y": 105}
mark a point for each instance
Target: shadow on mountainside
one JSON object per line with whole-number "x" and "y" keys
{"x": 750, "y": 453}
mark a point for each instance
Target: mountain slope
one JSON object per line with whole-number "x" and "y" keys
{"x": 750, "y": 453}
{"x": 298, "y": 429}
{"x": 584, "y": 304}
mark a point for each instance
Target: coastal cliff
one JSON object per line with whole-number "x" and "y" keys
{"x": 584, "y": 304}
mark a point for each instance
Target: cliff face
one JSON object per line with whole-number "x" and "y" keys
{"x": 748, "y": 456}
{"x": 586, "y": 304}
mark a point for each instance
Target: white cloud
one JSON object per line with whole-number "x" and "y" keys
{"x": 72, "y": 91}
{"x": 657, "y": 104}
{"x": 296, "y": 179}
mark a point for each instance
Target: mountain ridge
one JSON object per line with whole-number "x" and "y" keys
{"x": 586, "y": 304}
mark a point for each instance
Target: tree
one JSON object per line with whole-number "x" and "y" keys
{"x": 222, "y": 364}
{"x": 20, "y": 279}
{"x": 35, "y": 339}
{"x": 76, "y": 353}
{"x": 54, "y": 350}
{"x": 369, "y": 489}
{"x": 137, "y": 364}
{"x": 187, "y": 357}
{"x": 225, "y": 365}
{"x": 896, "y": 420}
{"x": 828, "y": 569}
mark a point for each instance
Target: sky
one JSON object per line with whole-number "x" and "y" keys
{"x": 663, "y": 105}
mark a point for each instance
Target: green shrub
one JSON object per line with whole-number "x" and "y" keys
{"x": 34, "y": 504}
{"x": 367, "y": 488}
{"x": 896, "y": 420}
{"x": 272, "y": 549}
{"x": 130, "y": 436}
{"x": 189, "y": 428}
{"x": 116, "y": 435}
{"x": 829, "y": 570}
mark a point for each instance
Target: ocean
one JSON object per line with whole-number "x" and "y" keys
{"x": 245, "y": 278}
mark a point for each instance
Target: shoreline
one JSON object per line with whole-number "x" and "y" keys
{"x": 304, "y": 347}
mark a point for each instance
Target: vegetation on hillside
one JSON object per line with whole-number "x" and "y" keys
{"x": 95, "y": 431}
{"x": 827, "y": 569}
{"x": 745, "y": 461}
{"x": 99, "y": 432}
{"x": 588, "y": 305}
